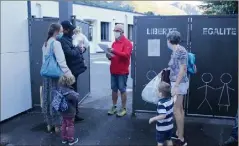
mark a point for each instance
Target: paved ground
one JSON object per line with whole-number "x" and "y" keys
{"x": 99, "y": 129}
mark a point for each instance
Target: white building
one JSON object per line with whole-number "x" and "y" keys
{"x": 102, "y": 20}
{"x": 15, "y": 64}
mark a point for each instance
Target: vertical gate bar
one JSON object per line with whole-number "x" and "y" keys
{"x": 134, "y": 64}
{"x": 189, "y": 50}
{"x": 29, "y": 19}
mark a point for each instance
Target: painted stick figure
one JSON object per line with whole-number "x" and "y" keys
{"x": 225, "y": 90}
{"x": 150, "y": 75}
{"x": 206, "y": 86}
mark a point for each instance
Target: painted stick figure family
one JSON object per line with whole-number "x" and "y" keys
{"x": 225, "y": 78}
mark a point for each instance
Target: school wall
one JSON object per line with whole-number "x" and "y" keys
{"x": 98, "y": 15}
{"x": 45, "y": 9}
{"x": 15, "y": 65}
{"x": 94, "y": 14}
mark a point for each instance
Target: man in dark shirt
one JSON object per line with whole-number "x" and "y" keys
{"x": 73, "y": 54}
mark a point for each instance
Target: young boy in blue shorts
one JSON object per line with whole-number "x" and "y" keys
{"x": 164, "y": 119}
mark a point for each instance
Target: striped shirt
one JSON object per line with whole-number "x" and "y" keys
{"x": 165, "y": 106}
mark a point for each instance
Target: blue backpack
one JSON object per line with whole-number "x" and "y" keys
{"x": 192, "y": 69}
{"x": 59, "y": 102}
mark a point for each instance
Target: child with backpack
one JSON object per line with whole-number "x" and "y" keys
{"x": 65, "y": 101}
{"x": 164, "y": 118}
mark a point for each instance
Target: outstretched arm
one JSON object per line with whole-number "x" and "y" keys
{"x": 201, "y": 87}
{"x": 156, "y": 118}
{"x": 211, "y": 87}
{"x": 161, "y": 110}
{"x": 231, "y": 88}
{"x": 219, "y": 88}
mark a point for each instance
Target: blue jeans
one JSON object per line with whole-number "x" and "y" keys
{"x": 234, "y": 133}
{"x": 119, "y": 82}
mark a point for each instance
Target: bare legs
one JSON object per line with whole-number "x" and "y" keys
{"x": 123, "y": 98}
{"x": 179, "y": 117}
{"x": 114, "y": 97}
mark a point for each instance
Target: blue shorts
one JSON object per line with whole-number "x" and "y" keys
{"x": 119, "y": 82}
{"x": 163, "y": 136}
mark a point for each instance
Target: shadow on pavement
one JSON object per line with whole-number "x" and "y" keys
{"x": 100, "y": 129}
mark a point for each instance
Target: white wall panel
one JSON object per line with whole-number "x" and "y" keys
{"x": 14, "y": 26}
{"x": 15, "y": 65}
{"x": 15, "y": 84}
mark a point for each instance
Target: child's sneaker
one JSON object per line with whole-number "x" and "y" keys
{"x": 122, "y": 112}
{"x": 112, "y": 111}
{"x": 49, "y": 128}
{"x": 57, "y": 130}
{"x": 73, "y": 142}
{"x": 182, "y": 143}
{"x": 64, "y": 141}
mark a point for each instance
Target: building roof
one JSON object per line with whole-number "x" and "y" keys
{"x": 104, "y": 7}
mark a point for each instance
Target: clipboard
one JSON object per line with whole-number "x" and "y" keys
{"x": 105, "y": 48}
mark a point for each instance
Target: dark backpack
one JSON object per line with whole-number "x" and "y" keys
{"x": 59, "y": 102}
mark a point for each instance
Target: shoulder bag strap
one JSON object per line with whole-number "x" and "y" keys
{"x": 51, "y": 52}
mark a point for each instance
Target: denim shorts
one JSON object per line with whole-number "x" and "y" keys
{"x": 119, "y": 83}
{"x": 182, "y": 88}
{"x": 161, "y": 137}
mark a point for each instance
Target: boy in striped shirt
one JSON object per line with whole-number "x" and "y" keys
{"x": 164, "y": 119}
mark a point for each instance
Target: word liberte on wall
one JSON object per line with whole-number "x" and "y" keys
{"x": 159, "y": 31}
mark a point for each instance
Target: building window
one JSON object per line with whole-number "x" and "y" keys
{"x": 130, "y": 32}
{"x": 39, "y": 11}
{"x": 105, "y": 31}
{"x": 90, "y": 36}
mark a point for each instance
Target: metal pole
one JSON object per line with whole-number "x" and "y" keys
{"x": 29, "y": 14}
{"x": 65, "y": 10}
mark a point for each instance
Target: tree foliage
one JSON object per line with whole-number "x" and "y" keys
{"x": 219, "y": 7}
{"x": 149, "y": 13}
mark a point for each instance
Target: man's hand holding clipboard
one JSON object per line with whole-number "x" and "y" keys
{"x": 107, "y": 50}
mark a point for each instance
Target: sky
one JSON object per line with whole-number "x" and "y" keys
{"x": 187, "y": 2}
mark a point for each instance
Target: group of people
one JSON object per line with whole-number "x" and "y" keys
{"x": 69, "y": 44}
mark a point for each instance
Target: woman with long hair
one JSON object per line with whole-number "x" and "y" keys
{"x": 53, "y": 118}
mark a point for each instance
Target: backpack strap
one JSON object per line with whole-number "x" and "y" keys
{"x": 51, "y": 52}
